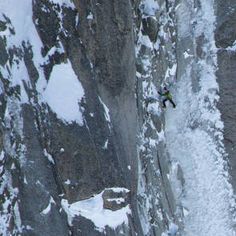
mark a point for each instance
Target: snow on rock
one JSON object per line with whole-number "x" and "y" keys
{"x": 105, "y": 144}
{"x": 150, "y": 7}
{"x": 233, "y": 47}
{"x": 67, "y": 182}
{"x": 63, "y": 94}
{"x": 186, "y": 55}
{"x": 49, "y": 157}
{"x": 48, "y": 208}
{"x": 172, "y": 231}
{"x": 90, "y": 16}
{"x": 21, "y": 21}
{"x": 7, "y": 211}
{"x": 93, "y": 210}
{"x": 66, "y": 3}
{"x": 17, "y": 217}
{"x": 107, "y": 112}
{"x": 20, "y": 29}
{"x": 2, "y": 155}
{"x": 53, "y": 50}
{"x": 195, "y": 141}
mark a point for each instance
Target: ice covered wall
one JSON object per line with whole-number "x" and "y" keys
{"x": 194, "y": 131}
{"x": 177, "y": 48}
{"x": 155, "y": 65}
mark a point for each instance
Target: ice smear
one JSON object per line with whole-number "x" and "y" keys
{"x": 107, "y": 112}
{"x": 194, "y": 139}
{"x": 63, "y": 94}
{"x": 172, "y": 231}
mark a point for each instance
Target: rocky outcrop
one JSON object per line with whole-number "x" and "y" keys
{"x": 115, "y": 200}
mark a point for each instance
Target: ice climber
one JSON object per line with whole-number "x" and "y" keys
{"x": 167, "y": 97}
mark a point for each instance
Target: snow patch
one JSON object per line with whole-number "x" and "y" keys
{"x": 63, "y": 94}
{"x": 66, "y": 3}
{"x": 106, "y": 144}
{"x": 54, "y": 49}
{"x": 67, "y": 182}
{"x": 149, "y": 7}
{"x": 48, "y": 208}
{"x": 17, "y": 217}
{"x": 93, "y": 210}
{"x": 21, "y": 20}
{"x": 194, "y": 136}
{"x": 25, "y": 180}
{"x": 187, "y": 55}
{"x": 232, "y": 48}
{"x": 2, "y": 155}
{"x": 90, "y": 16}
{"x": 49, "y": 157}
{"x": 107, "y": 115}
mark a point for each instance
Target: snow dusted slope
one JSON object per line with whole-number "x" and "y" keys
{"x": 193, "y": 130}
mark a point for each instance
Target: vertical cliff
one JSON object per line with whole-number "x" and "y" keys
{"x": 225, "y": 42}
{"x": 86, "y": 147}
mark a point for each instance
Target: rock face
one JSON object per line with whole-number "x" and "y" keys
{"x": 113, "y": 200}
{"x": 225, "y": 42}
{"x": 113, "y": 152}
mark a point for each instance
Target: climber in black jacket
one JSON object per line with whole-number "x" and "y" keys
{"x": 168, "y": 97}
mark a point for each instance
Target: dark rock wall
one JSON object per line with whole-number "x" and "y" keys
{"x": 225, "y": 36}
{"x": 101, "y": 51}
{"x": 103, "y": 60}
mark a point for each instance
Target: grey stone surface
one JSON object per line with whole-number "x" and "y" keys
{"x": 150, "y": 27}
{"x": 84, "y": 161}
{"x": 225, "y": 36}
{"x": 45, "y": 13}
{"x": 41, "y": 186}
{"x": 114, "y": 200}
{"x": 83, "y": 226}
{"x": 4, "y": 55}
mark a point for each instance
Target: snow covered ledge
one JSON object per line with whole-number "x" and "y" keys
{"x": 99, "y": 211}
